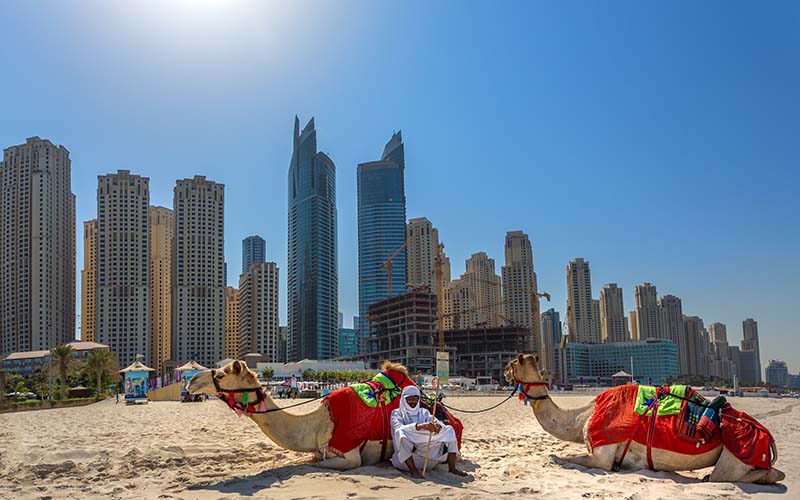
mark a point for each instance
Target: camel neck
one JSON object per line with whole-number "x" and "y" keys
{"x": 564, "y": 424}
{"x": 305, "y": 432}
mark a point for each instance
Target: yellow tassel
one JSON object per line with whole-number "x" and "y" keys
{"x": 536, "y": 404}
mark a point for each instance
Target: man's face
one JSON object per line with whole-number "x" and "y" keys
{"x": 412, "y": 401}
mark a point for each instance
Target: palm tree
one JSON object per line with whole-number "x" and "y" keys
{"x": 100, "y": 362}
{"x": 267, "y": 373}
{"x": 3, "y": 376}
{"x": 61, "y": 358}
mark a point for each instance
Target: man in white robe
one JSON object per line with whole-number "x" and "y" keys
{"x": 411, "y": 429}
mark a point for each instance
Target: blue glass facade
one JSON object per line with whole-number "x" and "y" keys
{"x": 381, "y": 229}
{"x": 347, "y": 342}
{"x": 313, "y": 286}
{"x": 653, "y": 361}
{"x": 254, "y": 249}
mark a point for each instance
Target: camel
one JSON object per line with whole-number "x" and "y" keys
{"x": 308, "y": 432}
{"x": 572, "y": 425}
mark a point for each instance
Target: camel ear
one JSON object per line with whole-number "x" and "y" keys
{"x": 520, "y": 358}
{"x": 536, "y": 357}
{"x": 237, "y": 368}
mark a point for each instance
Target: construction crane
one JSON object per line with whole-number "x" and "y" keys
{"x": 387, "y": 265}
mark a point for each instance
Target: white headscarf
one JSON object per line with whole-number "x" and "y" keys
{"x": 406, "y": 410}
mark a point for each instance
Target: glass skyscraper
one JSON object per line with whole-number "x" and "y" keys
{"x": 313, "y": 286}
{"x": 254, "y": 249}
{"x": 381, "y": 229}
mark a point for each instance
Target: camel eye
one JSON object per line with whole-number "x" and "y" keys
{"x": 219, "y": 376}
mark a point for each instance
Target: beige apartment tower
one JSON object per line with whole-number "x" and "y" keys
{"x": 423, "y": 239}
{"x": 671, "y": 326}
{"x": 647, "y": 318}
{"x": 162, "y": 231}
{"x": 475, "y": 298}
{"x": 520, "y": 301}
{"x": 89, "y": 281}
{"x": 633, "y": 322}
{"x": 37, "y": 247}
{"x": 123, "y": 265}
{"x": 198, "y": 287}
{"x": 234, "y": 346}
{"x": 580, "y": 321}
{"x": 258, "y": 309}
{"x": 613, "y": 324}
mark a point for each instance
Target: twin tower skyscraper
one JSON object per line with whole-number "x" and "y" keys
{"x": 312, "y": 258}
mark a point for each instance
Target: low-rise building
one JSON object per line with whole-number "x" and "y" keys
{"x": 653, "y": 361}
{"x": 284, "y": 371}
{"x": 28, "y": 362}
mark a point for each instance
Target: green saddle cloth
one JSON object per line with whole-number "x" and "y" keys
{"x": 668, "y": 405}
{"x": 368, "y": 391}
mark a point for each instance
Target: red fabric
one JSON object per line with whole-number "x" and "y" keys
{"x": 613, "y": 421}
{"x": 748, "y": 440}
{"x": 354, "y": 422}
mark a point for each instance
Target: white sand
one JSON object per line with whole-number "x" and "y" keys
{"x": 204, "y": 451}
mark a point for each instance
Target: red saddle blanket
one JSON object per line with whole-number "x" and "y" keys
{"x": 614, "y": 421}
{"x": 355, "y": 423}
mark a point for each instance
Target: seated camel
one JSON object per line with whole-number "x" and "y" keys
{"x": 343, "y": 432}
{"x": 616, "y": 443}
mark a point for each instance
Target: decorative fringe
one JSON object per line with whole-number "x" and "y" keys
{"x": 262, "y": 407}
{"x": 231, "y": 401}
{"x": 244, "y": 400}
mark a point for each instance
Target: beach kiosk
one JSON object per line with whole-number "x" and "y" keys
{"x": 188, "y": 371}
{"x": 136, "y": 380}
{"x": 621, "y": 378}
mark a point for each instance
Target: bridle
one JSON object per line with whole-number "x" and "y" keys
{"x": 228, "y": 396}
{"x": 526, "y": 386}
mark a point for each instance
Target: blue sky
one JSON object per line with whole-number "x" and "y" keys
{"x": 657, "y": 140}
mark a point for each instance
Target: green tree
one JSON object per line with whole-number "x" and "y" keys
{"x": 4, "y": 378}
{"x": 267, "y": 373}
{"x": 100, "y": 362}
{"x": 308, "y": 374}
{"x": 61, "y": 358}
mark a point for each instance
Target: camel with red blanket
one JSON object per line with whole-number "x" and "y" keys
{"x": 350, "y": 428}
{"x": 620, "y": 430}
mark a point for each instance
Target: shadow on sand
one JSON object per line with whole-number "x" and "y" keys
{"x": 253, "y": 484}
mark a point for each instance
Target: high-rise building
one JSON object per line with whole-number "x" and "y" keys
{"x": 654, "y": 361}
{"x": 123, "y": 265}
{"x": 721, "y": 365}
{"x": 750, "y": 343}
{"x": 234, "y": 344}
{"x": 37, "y": 247}
{"x": 581, "y": 324}
{"x": 777, "y": 373}
{"x": 381, "y": 229}
{"x": 283, "y": 344}
{"x": 475, "y": 298}
{"x": 613, "y": 324}
{"x": 551, "y": 338}
{"x": 89, "y": 281}
{"x": 647, "y": 319}
{"x": 670, "y": 312}
{"x": 254, "y": 249}
{"x": 719, "y": 332}
{"x": 313, "y": 283}
{"x": 198, "y": 289}
{"x": 633, "y": 321}
{"x": 162, "y": 232}
{"x": 258, "y": 309}
{"x": 423, "y": 239}
{"x": 520, "y": 287}
{"x": 698, "y": 346}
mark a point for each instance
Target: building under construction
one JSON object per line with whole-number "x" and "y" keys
{"x": 484, "y": 351}
{"x": 402, "y": 329}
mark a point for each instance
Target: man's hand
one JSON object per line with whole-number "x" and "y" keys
{"x": 430, "y": 427}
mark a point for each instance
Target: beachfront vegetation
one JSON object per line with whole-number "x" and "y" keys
{"x": 62, "y": 360}
{"x": 100, "y": 364}
{"x": 267, "y": 373}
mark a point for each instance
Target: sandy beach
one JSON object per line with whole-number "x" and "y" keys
{"x": 204, "y": 451}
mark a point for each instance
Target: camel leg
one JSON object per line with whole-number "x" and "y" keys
{"x": 730, "y": 469}
{"x": 601, "y": 458}
{"x": 351, "y": 460}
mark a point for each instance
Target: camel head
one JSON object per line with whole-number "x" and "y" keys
{"x": 234, "y": 375}
{"x": 524, "y": 368}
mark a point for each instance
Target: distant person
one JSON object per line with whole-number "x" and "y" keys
{"x": 293, "y": 386}
{"x": 420, "y": 379}
{"x": 411, "y": 432}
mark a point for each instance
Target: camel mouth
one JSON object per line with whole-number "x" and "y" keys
{"x": 508, "y": 373}
{"x": 197, "y": 383}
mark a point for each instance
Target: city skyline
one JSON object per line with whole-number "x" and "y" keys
{"x": 727, "y": 183}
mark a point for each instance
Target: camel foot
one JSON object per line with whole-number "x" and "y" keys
{"x": 772, "y": 477}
